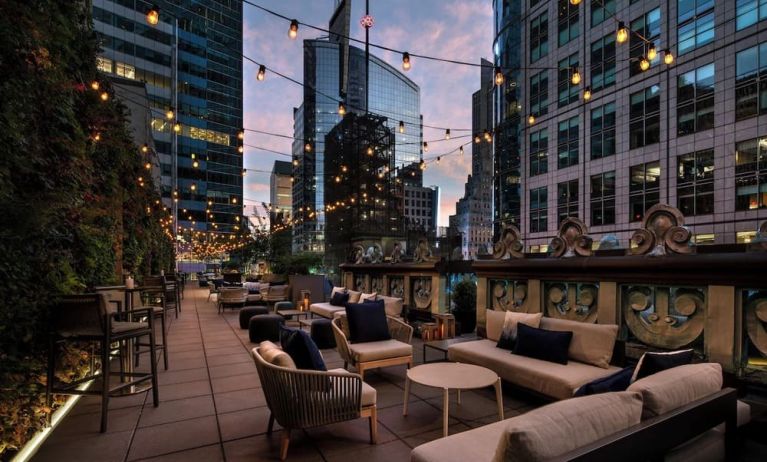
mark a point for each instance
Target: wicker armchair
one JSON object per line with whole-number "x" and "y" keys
{"x": 371, "y": 355}
{"x": 299, "y": 398}
{"x": 232, "y": 297}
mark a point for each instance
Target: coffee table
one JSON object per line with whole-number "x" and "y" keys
{"x": 443, "y": 345}
{"x": 457, "y": 376}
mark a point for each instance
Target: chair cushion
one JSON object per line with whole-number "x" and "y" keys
{"x": 673, "y": 388}
{"x": 367, "y": 322}
{"x": 274, "y": 355}
{"x": 254, "y": 297}
{"x": 339, "y": 299}
{"x": 653, "y": 362}
{"x": 591, "y": 344}
{"x": 547, "y": 345}
{"x": 619, "y": 381}
{"x": 558, "y": 428}
{"x": 369, "y": 393}
{"x": 119, "y": 327}
{"x": 373, "y": 351}
{"x": 302, "y": 349}
{"x": 325, "y": 309}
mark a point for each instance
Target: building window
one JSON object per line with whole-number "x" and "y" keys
{"x": 603, "y": 62}
{"x": 751, "y": 174}
{"x": 569, "y": 27}
{"x": 125, "y": 70}
{"x": 750, "y": 12}
{"x": 603, "y": 131}
{"x": 646, "y": 27}
{"x": 695, "y": 24}
{"x": 601, "y": 10}
{"x": 538, "y": 209}
{"x": 567, "y": 143}
{"x": 644, "y": 189}
{"x": 539, "y": 155}
{"x": 567, "y": 200}
{"x": 644, "y": 117}
{"x": 750, "y": 87}
{"x": 695, "y": 183}
{"x": 695, "y": 100}
{"x": 603, "y": 199}
{"x": 567, "y": 92}
{"x": 539, "y": 37}
{"x": 104, "y": 64}
{"x": 539, "y": 93}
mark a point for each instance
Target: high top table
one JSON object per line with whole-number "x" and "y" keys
{"x": 457, "y": 376}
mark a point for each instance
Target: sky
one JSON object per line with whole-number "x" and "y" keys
{"x": 454, "y": 29}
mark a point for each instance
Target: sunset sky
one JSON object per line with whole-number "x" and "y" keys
{"x": 455, "y": 29}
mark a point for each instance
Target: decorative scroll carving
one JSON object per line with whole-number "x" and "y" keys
{"x": 662, "y": 232}
{"x": 421, "y": 292}
{"x": 397, "y": 286}
{"x": 357, "y": 254}
{"x": 571, "y": 240}
{"x": 756, "y": 319}
{"x": 359, "y": 283}
{"x": 396, "y": 253}
{"x": 422, "y": 252}
{"x": 509, "y": 245}
{"x": 507, "y": 295}
{"x": 376, "y": 284}
{"x": 573, "y": 301}
{"x": 374, "y": 254}
{"x": 760, "y": 240}
{"x": 664, "y": 317}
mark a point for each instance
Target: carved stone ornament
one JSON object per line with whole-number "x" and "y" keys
{"x": 571, "y": 240}
{"x": 662, "y": 232}
{"x": 756, "y": 320}
{"x": 422, "y": 252}
{"x": 396, "y": 253}
{"x": 572, "y": 301}
{"x": 421, "y": 292}
{"x": 359, "y": 283}
{"x": 397, "y": 286}
{"x": 357, "y": 254}
{"x": 759, "y": 243}
{"x": 374, "y": 254}
{"x": 664, "y": 317}
{"x": 509, "y": 244}
{"x": 507, "y": 295}
{"x": 377, "y": 284}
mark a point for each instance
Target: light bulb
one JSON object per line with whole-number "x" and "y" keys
{"x": 293, "y": 31}
{"x": 576, "y": 77}
{"x": 195, "y": 164}
{"x": 425, "y": 146}
{"x": 370, "y": 150}
{"x": 447, "y": 134}
{"x": 308, "y": 147}
{"x": 338, "y": 179}
{"x": 586, "y": 94}
{"x": 531, "y": 119}
{"x": 95, "y": 85}
{"x": 145, "y": 148}
{"x": 341, "y": 109}
{"x": 622, "y": 33}
{"x": 153, "y": 15}
{"x": 406, "y": 61}
{"x": 177, "y": 127}
{"x": 644, "y": 64}
{"x": 668, "y": 58}
{"x": 295, "y": 162}
{"x": 169, "y": 114}
{"x": 652, "y": 52}
{"x": 261, "y": 72}
{"x": 575, "y": 2}
{"x": 499, "y": 76}
{"x": 148, "y": 166}
{"x": 240, "y": 149}
{"x": 477, "y": 139}
{"x": 193, "y": 187}
{"x": 241, "y": 135}
{"x": 401, "y": 126}
{"x": 460, "y": 150}
{"x": 104, "y": 96}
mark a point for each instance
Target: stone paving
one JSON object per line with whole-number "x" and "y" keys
{"x": 212, "y": 407}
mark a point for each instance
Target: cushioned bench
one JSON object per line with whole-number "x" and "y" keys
{"x": 392, "y": 305}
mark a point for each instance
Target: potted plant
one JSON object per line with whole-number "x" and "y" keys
{"x": 465, "y": 305}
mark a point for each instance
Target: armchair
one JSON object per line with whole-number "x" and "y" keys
{"x": 299, "y": 398}
{"x": 371, "y": 355}
{"x": 232, "y": 297}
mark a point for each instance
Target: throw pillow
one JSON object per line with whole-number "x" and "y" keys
{"x": 506, "y": 342}
{"x": 511, "y": 320}
{"x": 368, "y": 297}
{"x": 547, "y": 345}
{"x": 302, "y": 349}
{"x": 618, "y": 381}
{"x": 339, "y": 298}
{"x": 367, "y": 322}
{"x": 651, "y": 362}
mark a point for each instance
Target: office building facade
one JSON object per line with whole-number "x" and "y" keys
{"x": 201, "y": 60}
{"x": 691, "y": 134}
{"x": 280, "y": 193}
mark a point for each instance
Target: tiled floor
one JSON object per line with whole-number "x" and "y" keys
{"x": 212, "y": 408}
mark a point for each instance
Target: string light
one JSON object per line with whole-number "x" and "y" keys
{"x": 145, "y": 148}
{"x": 193, "y": 187}
{"x": 460, "y": 150}
{"x": 401, "y": 126}
{"x": 308, "y": 147}
{"x": 447, "y": 134}
{"x": 169, "y": 114}
{"x": 293, "y": 31}
{"x": 177, "y": 127}
{"x": 341, "y": 109}
{"x": 668, "y": 58}
{"x": 153, "y": 15}
{"x": 148, "y": 166}
{"x": 241, "y": 135}
{"x": 95, "y": 85}
{"x": 652, "y": 52}
{"x": 499, "y": 76}
{"x": 261, "y": 72}
{"x": 586, "y": 93}
{"x": 622, "y": 34}
{"x": 531, "y": 119}
{"x": 575, "y": 2}
{"x": 240, "y": 149}
{"x": 477, "y": 139}
{"x": 370, "y": 150}
{"x": 425, "y": 146}
{"x": 644, "y": 64}
{"x": 104, "y": 96}
{"x": 195, "y": 164}
{"x": 406, "y": 61}
{"x": 488, "y": 136}
{"x": 576, "y": 77}
{"x": 295, "y": 162}
{"x": 438, "y": 159}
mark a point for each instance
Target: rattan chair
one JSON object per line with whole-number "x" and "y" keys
{"x": 371, "y": 355}
{"x": 299, "y": 398}
{"x": 232, "y": 297}
{"x": 87, "y": 319}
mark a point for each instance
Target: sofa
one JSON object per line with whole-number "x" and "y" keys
{"x": 679, "y": 414}
{"x": 392, "y": 305}
{"x": 589, "y": 357}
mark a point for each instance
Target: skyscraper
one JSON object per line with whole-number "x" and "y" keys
{"x": 335, "y": 71}
{"x": 198, "y": 64}
{"x": 280, "y": 193}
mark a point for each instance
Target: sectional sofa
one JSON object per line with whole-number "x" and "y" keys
{"x": 392, "y": 305}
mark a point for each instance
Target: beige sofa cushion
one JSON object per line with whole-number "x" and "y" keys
{"x": 512, "y": 319}
{"x": 558, "y": 381}
{"x": 591, "y": 343}
{"x": 368, "y": 392}
{"x": 354, "y": 296}
{"x": 494, "y": 324}
{"x": 392, "y": 305}
{"x": 336, "y": 289}
{"x": 383, "y": 349}
{"x": 560, "y": 427}
{"x": 673, "y": 388}
{"x": 325, "y": 309}
{"x": 365, "y": 297}
{"x": 274, "y": 355}
{"x": 477, "y": 444}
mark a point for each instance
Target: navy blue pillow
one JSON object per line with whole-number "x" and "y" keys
{"x": 618, "y": 381}
{"x": 302, "y": 349}
{"x": 339, "y": 298}
{"x": 653, "y": 362}
{"x": 547, "y": 345}
{"x": 367, "y": 322}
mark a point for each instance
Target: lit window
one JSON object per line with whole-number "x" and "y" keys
{"x": 126, "y": 70}
{"x": 104, "y": 64}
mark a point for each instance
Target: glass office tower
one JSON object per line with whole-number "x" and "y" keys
{"x": 208, "y": 75}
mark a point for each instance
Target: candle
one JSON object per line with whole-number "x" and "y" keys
{"x": 129, "y": 282}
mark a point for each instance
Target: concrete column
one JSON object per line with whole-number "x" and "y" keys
{"x": 719, "y": 331}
